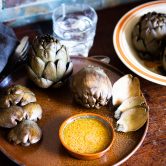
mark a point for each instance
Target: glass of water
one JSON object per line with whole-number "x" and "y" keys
{"x": 74, "y": 25}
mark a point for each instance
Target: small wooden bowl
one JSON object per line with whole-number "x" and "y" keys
{"x": 86, "y": 156}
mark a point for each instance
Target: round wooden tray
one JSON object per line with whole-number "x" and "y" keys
{"x": 58, "y": 105}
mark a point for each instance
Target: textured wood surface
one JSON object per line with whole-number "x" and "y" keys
{"x": 153, "y": 150}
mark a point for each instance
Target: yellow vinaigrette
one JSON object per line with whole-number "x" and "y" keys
{"x": 87, "y": 135}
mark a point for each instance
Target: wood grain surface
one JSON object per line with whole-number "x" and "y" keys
{"x": 153, "y": 150}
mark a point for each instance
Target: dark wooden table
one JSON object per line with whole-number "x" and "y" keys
{"x": 153, "y": 150}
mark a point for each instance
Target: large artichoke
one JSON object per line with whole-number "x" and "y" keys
{"x": 49, "y": 63}
{"x": 91, "y": 87}
{"x": 149, "y": 34}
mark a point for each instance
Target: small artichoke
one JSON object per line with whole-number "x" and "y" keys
{"x": 49, "y": 63}
{"x": 25, "y": 133}
{"x": 91, "y": 87}
{"x": 148, "y": 35}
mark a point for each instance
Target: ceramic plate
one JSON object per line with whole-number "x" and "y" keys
{"x": 58, "y": 105}
{"x": 123, "y": 44}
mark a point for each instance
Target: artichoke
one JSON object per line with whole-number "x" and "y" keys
{"x": 49, "y": 62}
{"x": 149, "y": 34}
{"x": 91, "y": 87}
{"x": 25, "y": 133}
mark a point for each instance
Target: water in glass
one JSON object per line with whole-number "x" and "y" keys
{"x": 76, "y": 31}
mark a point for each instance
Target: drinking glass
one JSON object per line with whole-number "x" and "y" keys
{"x": 74, "y": 25}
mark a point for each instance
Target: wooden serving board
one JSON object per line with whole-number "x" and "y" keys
{"x": 58, "y": 105}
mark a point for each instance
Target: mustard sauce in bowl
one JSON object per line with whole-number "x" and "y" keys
{"x": 86, "y": 135}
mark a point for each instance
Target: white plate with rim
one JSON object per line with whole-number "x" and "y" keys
{"x": 123, "y": 43}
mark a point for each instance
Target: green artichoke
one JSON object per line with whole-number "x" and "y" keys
{"x": 91, "y": 87}
{"x": 149, "y": 34}
{"x": 49, "y": 63}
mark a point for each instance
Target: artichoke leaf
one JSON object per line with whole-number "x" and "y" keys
{"x": 139, "y": 43}
{"x": 41, "y": 53}
{"x": 4, "y": 102}
{"x": 36, "y": 44}
{"x": 31, "y": 73}
{"x": 58, "y": 45}
{"x": 128, "y": 104}
{"x": 19, "y": 89}
{"x": 41, "y": 82}
{"x": 69, "y": 69}
{"x": 11, "y": 99}
{"x": 159, "y": 32}
{"x": 15, "y": 98}
{"x": 46, "y": 55}
{"x": 37, "y": 66}
{"x": 126, "y": 87}
{"x": 61, "y": 68}
{"x": 27, "y": 98}
{"x": 10, "y": 117}
{"x": 44, "y": 83}
{"x": 50, "y": 72}
{"x": 50, "y": 55}
{"x": 52, "y": 46}
{"x": 62, "y": 55}
{"x": 66, "y": 74}
{"x": 132, "y": 119}
{"x": 103, "y": 95}
{"x": 32, "y": 111}
{"x": 97, "y": 95}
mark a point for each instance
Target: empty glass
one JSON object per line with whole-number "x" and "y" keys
{"x": 74, "y": 25}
